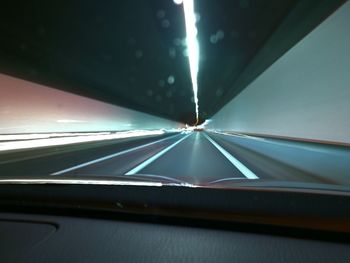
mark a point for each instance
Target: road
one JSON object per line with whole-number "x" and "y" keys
{"x": 195, "y": 158}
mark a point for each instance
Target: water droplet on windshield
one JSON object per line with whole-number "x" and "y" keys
{"x": 165, "y": 23}
{"x": 138, "y": 54}
{"x": 150, "y": 92}
{"x": 160, "y": 14}
{"x": 169, "y": 94}
{"x": 185, "y": 52}
{"x": 172, "y": 52}
{"x": 198, "y": 17}
{"x": 161, "y": 83}
{"x": 171, "y": 79}
{"x": 220, "y": 34}
{"x": 213, "y": 39}
{"x": 177, "y": 41}
{"x": 159, "y": 98}
{"x": 131, "y": 41}
{"x": 219, "y": 92}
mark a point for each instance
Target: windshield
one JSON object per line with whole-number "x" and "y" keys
{"x": 182, "y": 92}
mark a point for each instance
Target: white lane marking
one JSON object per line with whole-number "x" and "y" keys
{"x": 110, "y": 156}
{"x": 240, "y": 166}
{"x": 154, "y": 157}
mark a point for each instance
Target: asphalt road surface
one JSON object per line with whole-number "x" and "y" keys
{"x": 193, "y": 157}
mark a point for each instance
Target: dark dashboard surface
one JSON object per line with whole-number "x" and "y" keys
{"x": 88, "y": 223}
{"x": 38, "y": 238}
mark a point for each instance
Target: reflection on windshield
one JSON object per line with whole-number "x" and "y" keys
{"x": 183, "y": 92}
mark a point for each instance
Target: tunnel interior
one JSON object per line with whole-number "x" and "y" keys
{"x": 133, "y": 53}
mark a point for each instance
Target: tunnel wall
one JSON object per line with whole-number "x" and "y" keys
{"x": 27, "y": 107}
{"x": 304, "y": 94}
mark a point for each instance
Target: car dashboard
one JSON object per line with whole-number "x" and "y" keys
{"x": 88, "y": 223}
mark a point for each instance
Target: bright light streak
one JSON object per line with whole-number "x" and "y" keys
{"x": 192, "y": 47}
{"x": 69, "y": 121}
{"x": 32, "y": 136}
{"x": 35, "y": 143}
{"x": 206, "y": 122}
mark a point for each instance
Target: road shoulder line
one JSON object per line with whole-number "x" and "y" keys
{"x": 240, "y": 166}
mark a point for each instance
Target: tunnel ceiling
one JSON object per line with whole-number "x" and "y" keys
{"x": 132, "y": 53}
